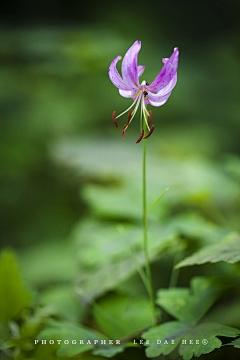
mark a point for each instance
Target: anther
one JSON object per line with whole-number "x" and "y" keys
{"x": 141, "y": 136}
{"x": 123, "y": 131}
{"x": 145, "y": 93}
{"x": 147, "y": 83}
{"x": 129, "y": 117}
{"x": 150, "y": 132}
{"x": 114, "y": 119}
{"x": 150, "y": 117}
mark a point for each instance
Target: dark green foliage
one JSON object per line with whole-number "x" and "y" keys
{"x": 189, "y": 308}
{"x": 14, "y": 299}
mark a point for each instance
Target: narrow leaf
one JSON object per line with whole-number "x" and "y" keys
{"x": 156, "y": 201}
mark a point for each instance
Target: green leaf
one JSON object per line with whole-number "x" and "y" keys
{"x": 64, "y": 301}
{"x": 169, "y": 333}
{"x": 58, "y": 265}
{"x": 227, "y": 315}
{"x": 189, "y": 306}
{"x": 227, "y": 250}
{"x": 157, "y": 200}
{"x": 65, "y": 331}
{"x": 25, "y": 335}
{"x": 198, "y": 340}
{"x": 47, "y": 351}
{"x": 206, "y": 331}
{"x": 14, "y": 298}
{"x": 235, "y": 343}
{"x": 105, "y": 253}
{"x": 109, "y": 351}
{"x": 130, "y": 314}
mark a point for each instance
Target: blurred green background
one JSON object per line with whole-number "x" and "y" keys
{"x": 69, "y": 182}
{"x": 55, "y": 88}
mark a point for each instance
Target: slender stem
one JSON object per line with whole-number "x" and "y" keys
{"x": 145, "y": 239}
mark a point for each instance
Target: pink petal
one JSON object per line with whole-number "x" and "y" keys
{"x": 167, "y": 73}
{"x": 114, "y": 75}
{"x": 156, "y": 99}
{"x": 130, "y": 67}
{"x": 140, "y": 69}
{"x": 127, "y": 94}
{"x": 168, "y": 87}
{"x": 164, "y": 60}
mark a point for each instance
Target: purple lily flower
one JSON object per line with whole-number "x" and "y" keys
{"x": 155, "y": 94}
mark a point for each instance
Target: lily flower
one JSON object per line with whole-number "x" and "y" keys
{"x": 155, "y": 94}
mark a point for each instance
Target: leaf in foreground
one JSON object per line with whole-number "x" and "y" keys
{"x": 188, "y": 307}
{"x": 14, "y": 298}
{"x": 65, "y": 331}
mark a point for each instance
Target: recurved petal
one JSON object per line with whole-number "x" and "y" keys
{"x": 164, "y": 60}
{"x": 130, "y": 66}
{"x": 141, "y": 69}
{"x": 168, "y": 87}
{"x": 115, "y": 76}
{"x": 167, "y": 73}
{"x": 156, "y": 99}
{"x": 127, "y": 93}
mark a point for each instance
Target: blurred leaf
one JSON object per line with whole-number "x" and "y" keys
{"x": 64, "y": 301}
{"x": 30, "y": 328}
{"x": 235, "y": 343}
{"x": 48, "y": 263}
{"x": 109, "y": 351}
{"x": 129, "y": 315}
{"x": 194, "y": 180}
{"x": 227, "y": 250}
{"x": 114, "y": 202}
{"x": 14, "y": 298}
{"x": 190, "y": 305}
{"x": 66, "y": 331}
{"x": 227, "y": 313}
{"x": 109, "y": 254}
{"x": 46, "y": 351}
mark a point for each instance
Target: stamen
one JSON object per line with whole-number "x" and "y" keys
{"x": 144, "y": 110}
{"x": 123, "y": 131}
{"x": 129, "y": 107}
{"x": 150, "y": 117}
{"x": 129, "y": 117}
{"x": 141, "y": 136}
{"x": 150, "y": 132}
{"x": 135, "y": 110}
{"x": 114, "y": 119}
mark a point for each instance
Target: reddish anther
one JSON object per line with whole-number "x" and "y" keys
{"x": 150, "y": 132}
{"x": 123, "y": 131}
{"x": 141, "y": 136}
{"x": 150, "y": 117}
{"x": 114, "y": 119}
{"x": 129, "y": 117}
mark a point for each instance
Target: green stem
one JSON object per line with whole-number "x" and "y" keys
{"x": 145, "y": 239}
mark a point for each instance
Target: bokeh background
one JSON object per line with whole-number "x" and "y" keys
{"x": 66, "y": 174}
